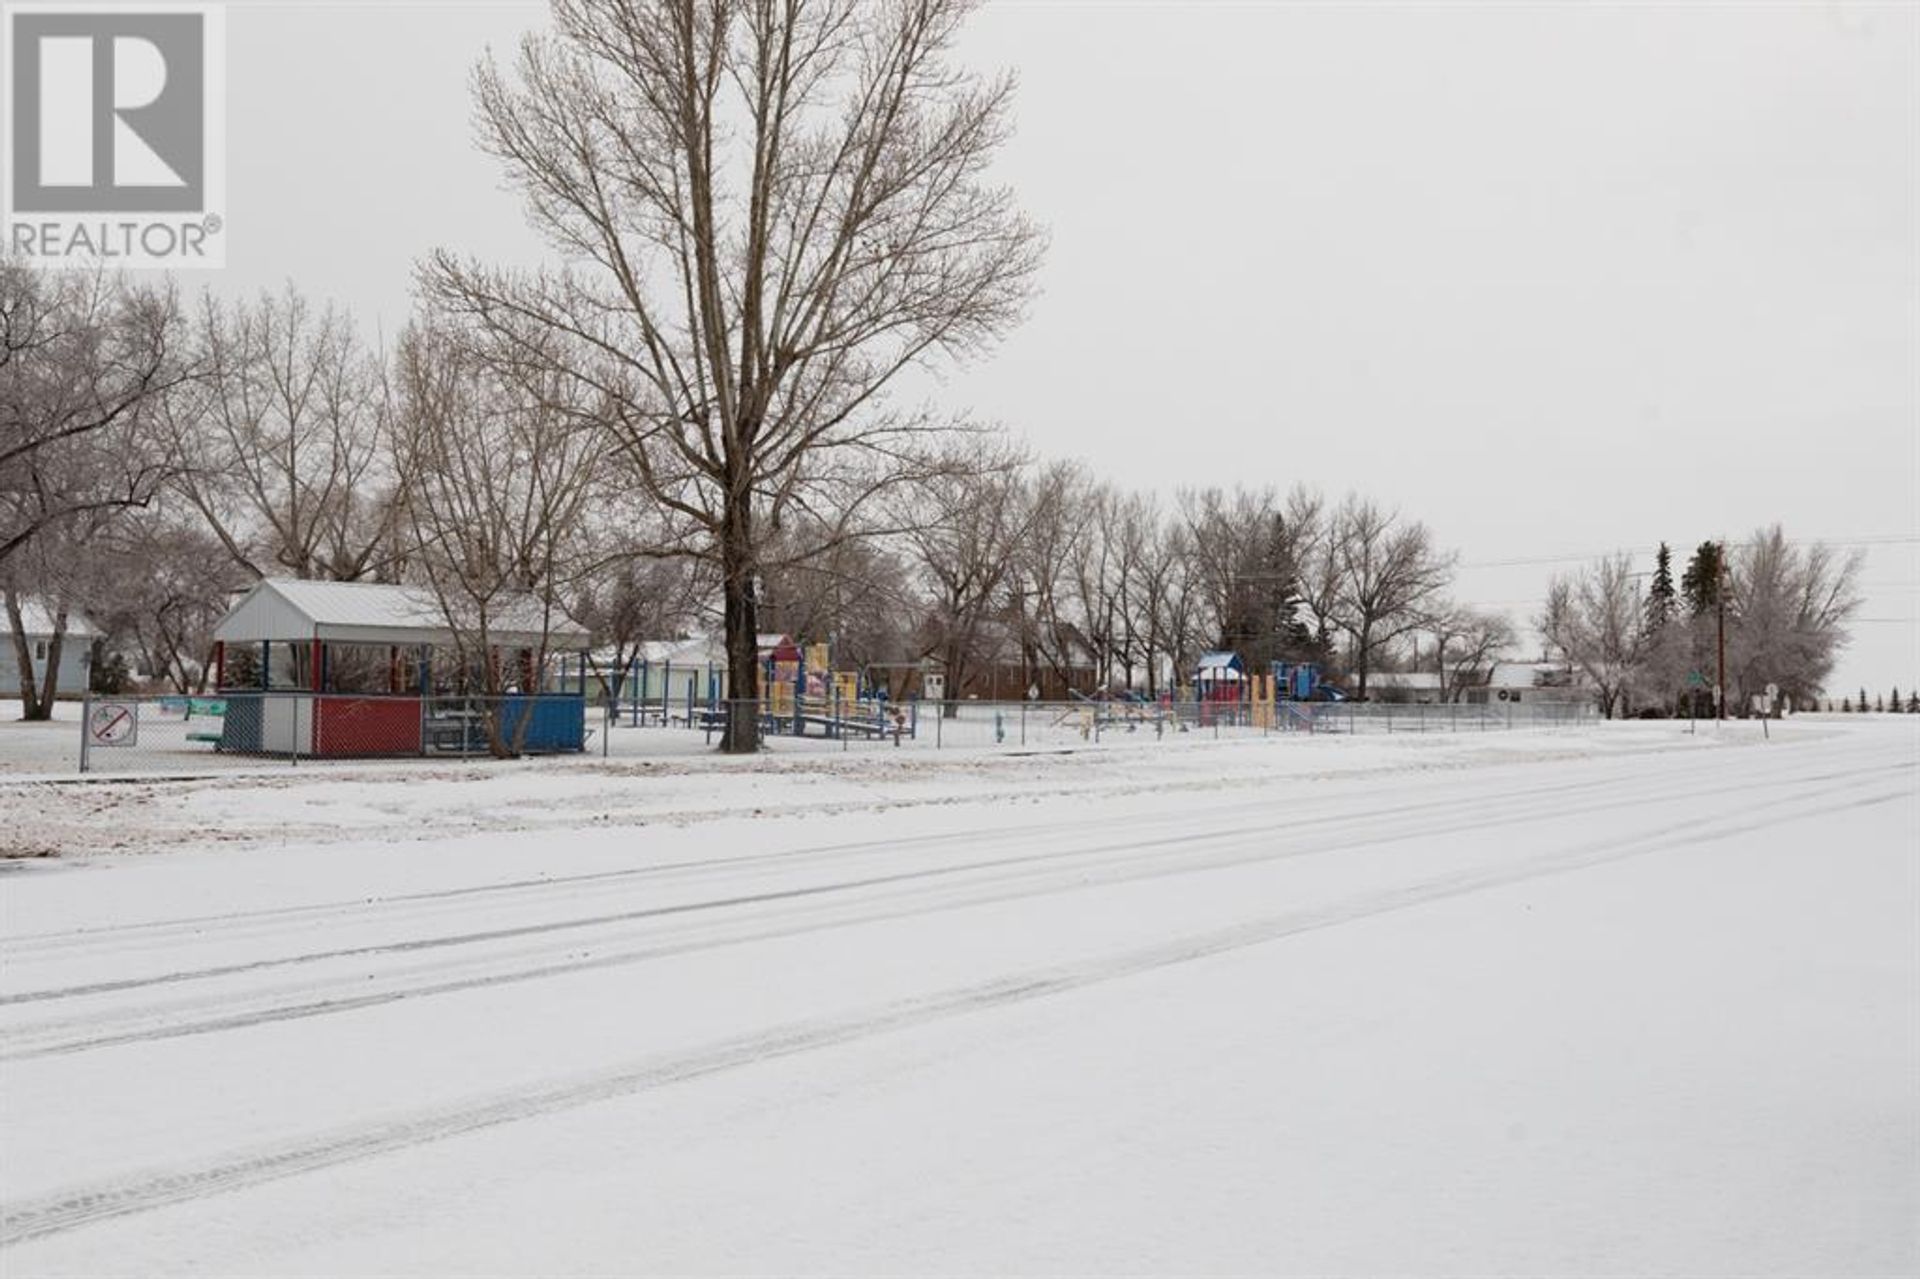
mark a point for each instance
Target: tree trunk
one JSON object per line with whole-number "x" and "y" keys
{"x": 50, "y": 682}
{"x": 742, "y": 624}
{"x": 23, "y": 659}
{"x": 1364, "y": 657}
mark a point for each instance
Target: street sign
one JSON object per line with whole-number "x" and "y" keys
{"x": 113, "y": 724}
{"x": 1696, "y": 680}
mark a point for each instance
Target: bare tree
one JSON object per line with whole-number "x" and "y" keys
{"x": 501, "y": 473}
{"x": 855, "y": 593}
{"x": 773, "y": 209}
{"x": 1467, "y": 645}
{"x": 286, "y": 455}
{"x": 85, "y": 360}
{"x": 1040, "y": 600}
{"x": 1789, "y": 609}
{"x": 634, "y": 599}
{"x": 85, "y": 363}
{"x": 162, "y": 582}
{"x": 1595, "y": 619}
{"x": 966, "y": 528}
{"x": 1388, "y": 573}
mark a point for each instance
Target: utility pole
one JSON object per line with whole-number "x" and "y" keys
{"x": 1720, "y": 626}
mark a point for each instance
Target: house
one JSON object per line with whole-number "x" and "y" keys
{"x": 1529, "y": 682}
{"x": 1505, "y": 682}
{"x": 75, "y": 650}
{"x": 678, "y": 672}
{"x": 998, "y": 667}
{"x": 1417, "y": 687}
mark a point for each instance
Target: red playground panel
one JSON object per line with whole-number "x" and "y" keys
{"x": 366, "y": 726}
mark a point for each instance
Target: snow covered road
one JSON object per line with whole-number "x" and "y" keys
{"x": 1633, "y": 1002}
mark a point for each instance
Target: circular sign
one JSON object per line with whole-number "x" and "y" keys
{"x": 113, "y": 724}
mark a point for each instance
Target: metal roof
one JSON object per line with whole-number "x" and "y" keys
{"x": 378, "y": 613}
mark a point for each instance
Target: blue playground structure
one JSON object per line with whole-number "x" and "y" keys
{"x": 1304, "y": 682}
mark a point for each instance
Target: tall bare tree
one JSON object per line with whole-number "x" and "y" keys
{"x": 1388, "y": 574}
{"x": 86, "y": 361}
{"x": 770, "y": 208}
{"x": 1789, "y": 611}
{"x": 286, "y": 455}
{"x": 501, "y": 472}
{"x": 966, "y": 529}
{"x": 1596, "y": 620}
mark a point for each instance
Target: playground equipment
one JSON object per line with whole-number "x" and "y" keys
{"x": 800, "y": 694}
{"x": 1305, "y": 682}
{"x": 1225, "y": 691}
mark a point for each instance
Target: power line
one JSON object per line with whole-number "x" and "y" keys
{"x": 1870, "y": 540}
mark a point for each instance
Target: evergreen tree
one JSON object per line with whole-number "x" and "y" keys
{"x": 1863, "y": 701}
{"x": 1846, "y": 706}
{"x": 1893, "y": 702}
{"x": 1660, "y": 596}
{"x": 1913, "y": 703}
{"x": 1700, "y": 584}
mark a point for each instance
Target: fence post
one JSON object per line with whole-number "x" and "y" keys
{"x": 1023, "y": 723}
{"x": 86, "y": 721}
{"x": 939, "y": 722}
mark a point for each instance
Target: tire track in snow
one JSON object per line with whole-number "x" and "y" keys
{"x": 1149, "y": 860}
{"x": 29, "y": 946}
{"x": 81, "y": 1206}
{"x": 1187, "y": 840}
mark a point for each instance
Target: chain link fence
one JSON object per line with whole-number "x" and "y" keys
{"x": 195, "y": 734}
{"x": 191, "y": 735}
{"x": 961, "y": 725}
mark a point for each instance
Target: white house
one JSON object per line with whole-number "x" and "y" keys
{"x": 74, "y": 650}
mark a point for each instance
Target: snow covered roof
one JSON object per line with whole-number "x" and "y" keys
{"x": 37, "y": 621}
{"x": 1404, "y": 679}
{"x": 695, "y": 650}
{"x": 378, "y": 613}
{"x": 1220, "y": 665}
{"x": 1527, "y": 675}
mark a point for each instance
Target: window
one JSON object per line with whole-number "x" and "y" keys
{"x": 40, "y": 651}
{"x": 290, "y": 665}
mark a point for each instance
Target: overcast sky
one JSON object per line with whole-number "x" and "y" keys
{"x": 1556, "y": 280}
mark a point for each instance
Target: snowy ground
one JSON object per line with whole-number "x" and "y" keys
{"x": 1615, "y": 1000}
